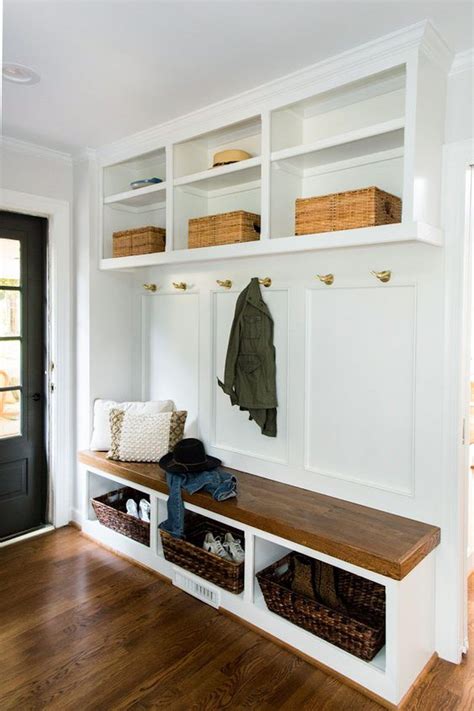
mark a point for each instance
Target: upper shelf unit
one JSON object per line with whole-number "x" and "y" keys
{"x": 383, "y": 129}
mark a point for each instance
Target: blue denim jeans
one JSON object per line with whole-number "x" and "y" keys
{"x": 220, "y": 484}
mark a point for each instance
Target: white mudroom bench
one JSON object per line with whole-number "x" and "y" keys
{"x": 398, "y": 553}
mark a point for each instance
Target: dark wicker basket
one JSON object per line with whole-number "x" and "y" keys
{"x": 360, "y": 629}
{"x": 189, "y": 554}
{"x": 111, "y": 511}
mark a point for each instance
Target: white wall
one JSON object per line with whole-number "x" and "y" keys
{"x": 107, "y": 316}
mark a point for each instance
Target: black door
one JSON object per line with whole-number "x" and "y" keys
{"x": 22, "y": 373}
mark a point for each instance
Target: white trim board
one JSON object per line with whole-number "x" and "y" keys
{"x": 58, "y": 213}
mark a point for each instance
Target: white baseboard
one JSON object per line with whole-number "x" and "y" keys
{"x": 76, "y": 517}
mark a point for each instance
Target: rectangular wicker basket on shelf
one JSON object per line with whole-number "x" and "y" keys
{"x": 345, "y": 211}
{"x": 228, "y": 228}
{"x": 358, "y": 629}
{"x": 140, "y": 240}
{"x": 189, "y": 554}
{"x": 111, "y": 512}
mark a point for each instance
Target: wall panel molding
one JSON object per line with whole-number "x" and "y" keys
{"x": 354, "y": 430}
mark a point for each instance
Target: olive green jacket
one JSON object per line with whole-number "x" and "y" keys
{"x": 250, "y": 370}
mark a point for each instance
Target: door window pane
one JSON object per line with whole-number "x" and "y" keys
{"x": 9, "y": 313}
{"x": 9, "y": 262}
{"x": 10, "y": 413}
{"x": 10, "y": 363}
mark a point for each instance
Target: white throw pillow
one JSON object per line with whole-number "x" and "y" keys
{"x": 101, "y": 439}
{"x": 144, "y": 438}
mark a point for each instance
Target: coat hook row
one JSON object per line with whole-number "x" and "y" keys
{"x": 384, "y": 276}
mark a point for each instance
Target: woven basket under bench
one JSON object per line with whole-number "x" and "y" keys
{"x": 111, "y": 511}
{"x": 228, "y": 228}
{"x": 359, "y": 629}
{"x": 189, "y": 554}
{"x": 345, "y": 211}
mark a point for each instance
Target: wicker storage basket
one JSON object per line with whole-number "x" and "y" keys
{"x": 228, "y": 228}
{"x": 360, "y": 629}
{"x": 141, "y": 240}
{"x": 190, "y": 555}
{"x": 346, "y": 211}
{"x": 111, "y": 511}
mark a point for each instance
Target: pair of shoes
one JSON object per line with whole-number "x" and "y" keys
{"x": 132, "y": 509}
{"x": 229, "y": 550}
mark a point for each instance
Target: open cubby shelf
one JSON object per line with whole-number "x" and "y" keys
{"x": 354, "y": 135}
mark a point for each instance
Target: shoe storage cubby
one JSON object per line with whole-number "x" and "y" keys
{"x": 189, "y": 552}
{"x": 340, "y": 126}
{"x": 107, "y": 506}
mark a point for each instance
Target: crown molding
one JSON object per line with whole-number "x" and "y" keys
{"x": 463, "y": 62}
{"x": 33, "y": 149}
{"x": 435, "y": 48}
{"x": 374, "y": 56}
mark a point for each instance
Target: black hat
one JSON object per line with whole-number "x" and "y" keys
{"x": 188, "y": 455}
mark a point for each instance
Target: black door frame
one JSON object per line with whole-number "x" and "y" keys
{"x": 24, "y": 453}
{"x": 61, "y": 394}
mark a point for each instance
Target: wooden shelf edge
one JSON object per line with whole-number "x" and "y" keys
{"x": 343, "y": 239}
{"x": 395, "y": 566}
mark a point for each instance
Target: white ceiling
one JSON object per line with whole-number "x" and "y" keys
{"x": 112, "y": 67}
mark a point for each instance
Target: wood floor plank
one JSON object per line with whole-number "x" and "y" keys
{"x": 80, "y": 628}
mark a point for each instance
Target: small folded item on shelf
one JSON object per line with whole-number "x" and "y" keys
{"x": 144, "y": 182}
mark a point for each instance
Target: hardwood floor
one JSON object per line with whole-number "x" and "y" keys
{"x": 81, "y": 629}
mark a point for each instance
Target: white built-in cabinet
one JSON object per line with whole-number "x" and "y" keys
{"x": 358, "y": 415}
{"x": 353, "y": 123}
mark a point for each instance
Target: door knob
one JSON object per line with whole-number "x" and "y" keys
{"x": 36, "y": 396}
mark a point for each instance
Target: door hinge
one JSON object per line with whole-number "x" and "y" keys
{"x": 51, "y": 387}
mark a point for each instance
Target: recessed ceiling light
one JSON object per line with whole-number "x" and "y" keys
{"x": 19, "y": 74}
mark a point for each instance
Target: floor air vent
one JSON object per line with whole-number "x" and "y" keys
{"x": 196, "y": 587}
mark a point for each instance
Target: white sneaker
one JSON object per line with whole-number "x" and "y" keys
{"x": 233, "y": 547}
{"x": 145, "y": 509}
{"x": 132, "y": 509}
{"x": 214, "y": 545}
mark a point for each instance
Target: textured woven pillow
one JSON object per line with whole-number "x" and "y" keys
{"x": 101, "y": 440}
{"x": 144, "y": 438}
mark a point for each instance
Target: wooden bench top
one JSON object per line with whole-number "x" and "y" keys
{"x": 378, "y": 541}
